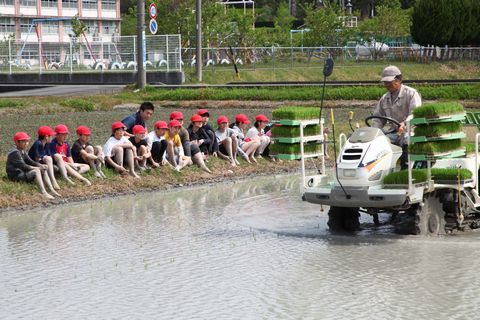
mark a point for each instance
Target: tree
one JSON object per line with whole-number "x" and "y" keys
{"x": 390, "y": 21}
{"x": 326, "y": 26}
{"x": 283, "y": 24}
{"x": 433, "y": 22}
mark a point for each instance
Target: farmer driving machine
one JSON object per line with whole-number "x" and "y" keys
{"x": 437, "y": 194}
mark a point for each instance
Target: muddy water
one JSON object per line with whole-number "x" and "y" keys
{"x": 236, "y": 251}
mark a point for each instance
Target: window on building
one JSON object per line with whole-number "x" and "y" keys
{"x": 89, "y": 4}
{"x": 28, "y": 3}
{"x": 25, "y": 25}
{"x": 7, "y": 2}
{"x": 67, "y": 28}
{"x": 50, "y": 27}
{"x": 50, "y": 3}
{"x": 109, "y": 5}
{"x": 92, "y": 27}
{"x": 70, "y": 4}
{"x": 7, "y": 25}
{"x": 108, "y": 27}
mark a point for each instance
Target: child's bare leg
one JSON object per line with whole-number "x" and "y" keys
{"x": 38, "y": 180}
{"x": 234, "y": 149}
{"x": 171, "y": 153}
{"x": 63, "y": 168}
{"x": 82, "y": 167}
{"x": 74, "y": 173}
{"x": 227, "y": 143}
{"x": 143, "y": 152}
{"x": 130, "y": 163}
{"x": 198, "y": 159}
{"x": 51, "y": 174}
{"x": 48, "y": 183}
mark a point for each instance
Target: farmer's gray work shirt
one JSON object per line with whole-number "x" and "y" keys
{"x": 398, "y": 106}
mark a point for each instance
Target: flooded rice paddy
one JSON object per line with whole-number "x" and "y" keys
{"x": 245, "y": 250}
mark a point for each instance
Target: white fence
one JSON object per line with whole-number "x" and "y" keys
{"x": 163, "y": 53}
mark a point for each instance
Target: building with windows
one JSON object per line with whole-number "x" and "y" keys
{"x": 102, "y": 18}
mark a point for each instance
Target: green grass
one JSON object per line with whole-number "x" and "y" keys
{"x": 296, "y": 113}
{"x": 294, "y": 131}
{"x": 438, "y": 129}
{"x": 438, "y": 109}
{"x": 454, "y": 92}
{"x": 9, "y": 103}
{"x": 420, "y": 175}
{"x": 294, "y": 148}
{"x": 435, "y": 147}
{"x": 79, "y": 104}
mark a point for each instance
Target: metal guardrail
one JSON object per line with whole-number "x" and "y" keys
{"x": 163, "y": 53}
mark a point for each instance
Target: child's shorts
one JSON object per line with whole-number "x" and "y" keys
{"x": 23, "y": 176}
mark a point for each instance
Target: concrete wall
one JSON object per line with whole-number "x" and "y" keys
{"x": 174, "y": 78}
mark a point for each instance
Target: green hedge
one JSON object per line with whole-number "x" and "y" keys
{"x": 79, "y": 104}
{"x": 451, "y": 92}
{"x": 294, "y": 131}
{"x": 420, "y": 175}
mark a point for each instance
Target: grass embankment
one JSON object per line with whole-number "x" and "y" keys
{"x": 300, "y": 70}
{"x": 17, "y": 195}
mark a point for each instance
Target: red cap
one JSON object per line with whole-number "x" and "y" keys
{"x": 176, "y": 115}
{"x": 261, "y": 117}
{"x": 196, "y": 118}
{"x": 44, "y": 131}
{"x": 161, "y": 125}
{"x": 138, "y": 129}
{"x": 82, "y": 130}
{"x": 242, "y": 118}
{"x": 61, "y": 129}
{"x": 117, "y": 125}
{"x": 174, "y": 123}
{"x": 202, "y": 112}
{"x": 20, "y": 136}
{"x": 222, "y": 119}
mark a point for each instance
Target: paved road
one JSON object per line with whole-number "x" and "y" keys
{"x": 64, "y": 90}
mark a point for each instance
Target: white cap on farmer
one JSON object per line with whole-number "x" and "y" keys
{"x": 389, "y": 73}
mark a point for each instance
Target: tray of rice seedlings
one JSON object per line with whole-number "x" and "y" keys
{"x": 438, "y": 131}
{"x": 295, "y": 115}
{"x": 401, "y": 177}
{"x": 451, "y": 175}
{"x": 439, "y": 175}
{"x": 291, "y": 151}
{"x": 470, "y": 149}
{"x": 436, "y": 150}
{"x": 291, "y": 134}
{"x": 438, "y": 112}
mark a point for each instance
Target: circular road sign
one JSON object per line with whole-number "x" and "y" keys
{"x": 153, "y": 26}
{"x": 153, "y": 11}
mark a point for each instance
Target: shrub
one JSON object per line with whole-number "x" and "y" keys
{"x": 79, "y": 104}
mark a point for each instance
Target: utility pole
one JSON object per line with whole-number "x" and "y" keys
{"x": 199, "y": 60}
{"x": 141, "y": 74}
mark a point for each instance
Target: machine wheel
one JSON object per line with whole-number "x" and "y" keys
{"x": 343, "y": 219}
{"x": 425, "y": 219}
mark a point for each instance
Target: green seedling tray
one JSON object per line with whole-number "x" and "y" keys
{"x": 452, "y": 136}
{"x": 298, "y": 122}
{"x": 449, "y": 118}
{"x": 297, "y": 139}
{"x": 284, "y": 156}
{"x": 438, "y": 156}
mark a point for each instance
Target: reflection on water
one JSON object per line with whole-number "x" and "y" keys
{"x": 244, "y": 250}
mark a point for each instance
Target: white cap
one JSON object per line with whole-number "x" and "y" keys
{"x": 389, "y": 73}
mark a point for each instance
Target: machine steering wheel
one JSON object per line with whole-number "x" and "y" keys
{"x": 395, "y": 124}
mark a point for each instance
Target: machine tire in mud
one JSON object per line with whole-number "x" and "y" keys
{"x": 343, "y": 219}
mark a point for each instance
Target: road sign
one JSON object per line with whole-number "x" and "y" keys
{"x": 153, "y": 11}
{"x": 153, "y": 25}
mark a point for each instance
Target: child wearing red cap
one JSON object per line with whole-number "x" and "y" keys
{"x": 198, "y": 141}
{"x": 20, "y": 167}
{"x": 257, "y": 132}
{"x": 62, "y": 156}
{"x": 157, "y": 143}
{"x": 213, "y": 146}
{"x": 175, "y": 153}
{"x": 39, "y": 152}
{"x": 227, "y": 141}
{"x": 246, "y": 147}
{"x": 141, "y": 152}
{"x": 119, "y": 151}
{"x": 84, "y": 152}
